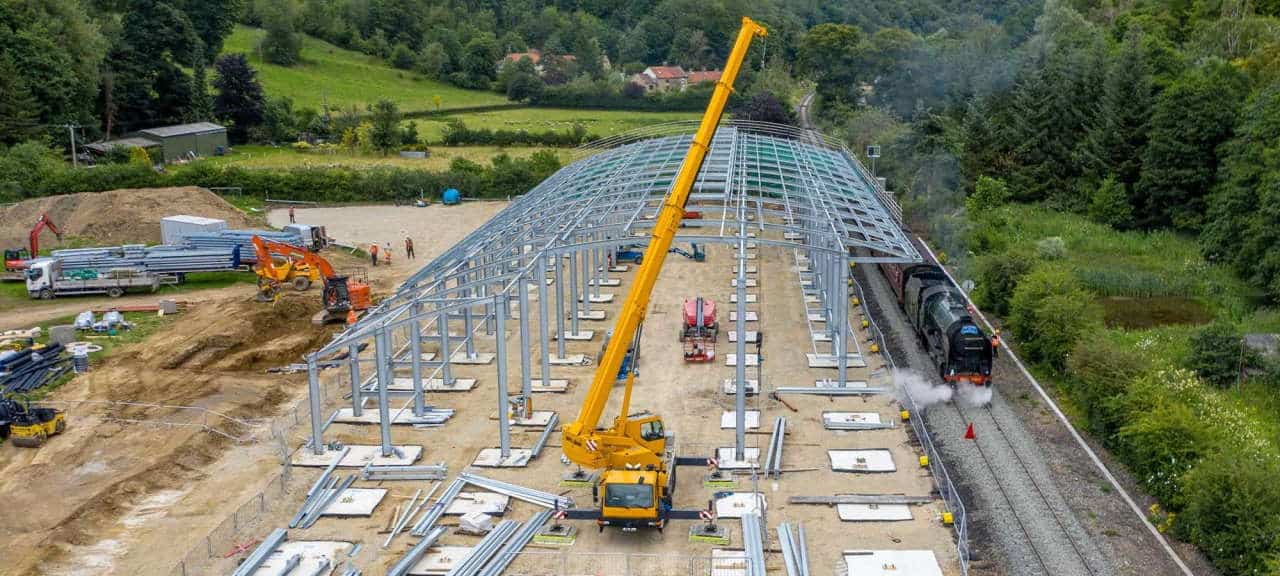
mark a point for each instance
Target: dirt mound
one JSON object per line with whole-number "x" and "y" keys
{"x": 117, "y": 217}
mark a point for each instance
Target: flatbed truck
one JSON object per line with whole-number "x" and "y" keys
{"x": 45, "y": 281}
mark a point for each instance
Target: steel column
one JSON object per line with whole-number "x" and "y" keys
{"x": 573, "y": 291}
{"x": 544, "y": 351}
{"x": 353, "y": 365}
{"x": 442, "y": 324}
{"x": 841, "y": 318}
{"x": 415, "y": 363}
{"x": 740, "y": 369}
{"x": 382, "y": 351}
{"x": 559, "y": 308}
{"x": 504, "y": 427}
{"x": 313, "y": 395}
{"x": 526, "y": 382}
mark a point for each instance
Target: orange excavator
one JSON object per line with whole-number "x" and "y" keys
{"x": 15, "y": 259}
{"x": 301, "y": 268}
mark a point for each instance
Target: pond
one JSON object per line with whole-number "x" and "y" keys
{"x": 1143, "y": 313}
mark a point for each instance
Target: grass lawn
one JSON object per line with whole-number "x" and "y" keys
{"x": 142, "y": 325}
{"x": 599, "y": 123}
{"x": 342, "y": 78}
{"x": 283, "y": 157}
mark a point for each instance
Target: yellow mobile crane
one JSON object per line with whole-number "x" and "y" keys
{"x": 633, "y": 452}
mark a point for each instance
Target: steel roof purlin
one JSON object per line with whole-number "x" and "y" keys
{"x": 794, "y": 188}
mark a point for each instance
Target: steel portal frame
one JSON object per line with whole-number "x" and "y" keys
{"x": 769, "y": 184}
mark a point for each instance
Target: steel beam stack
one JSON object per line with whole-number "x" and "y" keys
{"x": 753, "y": 542}
{"x": 483, "y": 552}
{"x": 228, "y": 239}
{"x": 795, "y": 553}
{"x": 773, "y": 460}
{"x": 157, "y": 259}
{"x": 269, "y": 545}
{"x": 538, "y": 497}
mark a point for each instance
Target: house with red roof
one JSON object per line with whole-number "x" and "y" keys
{"x": 665, "y": 78}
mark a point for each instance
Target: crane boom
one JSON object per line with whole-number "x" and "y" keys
{"x": 622, "y": 445}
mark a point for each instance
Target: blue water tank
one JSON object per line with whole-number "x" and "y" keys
{"x": 452, "y": 196}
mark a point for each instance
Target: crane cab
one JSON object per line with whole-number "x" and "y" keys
{"x": 633, "y": 499}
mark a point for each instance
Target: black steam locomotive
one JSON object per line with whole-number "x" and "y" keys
{"x": 937, "y": 310}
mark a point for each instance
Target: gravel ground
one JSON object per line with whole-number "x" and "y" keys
{"x": 1019, "y": 522}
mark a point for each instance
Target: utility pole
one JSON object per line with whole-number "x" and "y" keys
{"x": 71, "y": 129}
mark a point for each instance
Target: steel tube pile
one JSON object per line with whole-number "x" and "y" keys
{"x": 794, "y": 551}
{"x": 517, "y": 543}
{"x": 228, "y": 239}
{"x": 538, "y": 497}
{"x": 484, "y": 551}
{"x": 172, "y": 259}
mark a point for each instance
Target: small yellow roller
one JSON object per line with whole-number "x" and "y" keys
{"x": 947, "y": 519}
{"x": 924, "y": 461}
{"x": 875, "y": 348}
{"x": 906, "y": 415}
{"x": 865, "y": 323}
{"x": 855, "y": 301}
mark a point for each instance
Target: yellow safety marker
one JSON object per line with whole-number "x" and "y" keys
{"x": 906, "y": 415}
{"x": 924, "y": 461}
{"x": 947, "y": 519}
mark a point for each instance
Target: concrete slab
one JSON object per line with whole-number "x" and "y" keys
{"x": 313, "y": 553}
{"x": 439, "y": 560}
{"x": 873, "y": 460}
{"x": 731, "y": 387}
{"x": 811, "y": 299}
{"x": 460, "y": 357}
{"x": 539, "y": 418}
{"x": 569, "y": 360}
{"x": 751, "y": 298}
{"x": 751, "y": 269}
{"x": 732, "y": 360}
{"x": 490, "y": 503}
{"x": 601, "y": 299}
{"x": 829, "y": 361}
{"x": 581, "y": 336}
{"x": 820, "y": 336}
{"x": 398, "y": 417}
{"x": 891, "y": 563}
{"x": 620, "y": 268}
{"x": 359, "y": 456}
{"x": 792, "y": 235}
{"x": 752, "y": 316}
{"x": 752, "y": 336}
{"x": 728, "y": 419}
{"x": 873, "y": 512}
{"x": 405, "y": 385}
{"x": 751, "y": 282}
{"x": 492, "y": 458}
{"x": 850, "y": 418}
{"x": 605, "y": 282}
{"x": 750, "y": 255}
{"x": 815, "y": 317}
{"x": 355, "y": 502}
{"x": 736, "y": 504}
{"x": 596, "y": 315}
{"x": 552, "y": 385}
{"x": 750, "y": 458}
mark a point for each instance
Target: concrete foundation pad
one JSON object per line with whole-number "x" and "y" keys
{"x": 552, "y": 385}
{"x": 873, "y": 512}
{"x": 428, "y": 356}
{"x": 850, "y": 417}
{"x": 873, "y": 460}
{"x": 811, "y": 299}
{"x": 355, "y": 502}
{"x": 313, "y": 553}
{"x": 580, "y": 336}
{"x": 620, "y": 268}
{"x": 439, "y": 560}
{"x": 490, "y": 503}
{"x": 751, "y": 282}
{"x": 750, "y": 255}
{"x": 601, "y": 299}
{"x": 833, "y": 383}
{"x": 728, "y": 419}
{"x": 359, "y": 456}
{"x": 820, "y": 336}
{"x": 829, "y": 361}
{"x": 728, "y": 562}
{"x": 433, "y": 336}
{"x": 751, "y": 298}
{"x": 592, "y": 315}
{"x": 569, "y": 360}
{"x": 605, "y": 282}
{"x": 891, "y": 563}
{"x": 731, "y": 387}
{"x": 736, "y": 504}
{"x": 752, "y": 336}
{"x": 539, "y": 418}
{"x": 792, "y": 235}
{"x": 479, "y": 358}
{"x": 370, "y": 416}
{"x": 817, "y": 318}
{"x": 752, "y": 316}
{"x": 492, "y": 458}
{"x": 732, "y": 360}
{"x": 751, "y": 458}
{"x": 405, "y": 385}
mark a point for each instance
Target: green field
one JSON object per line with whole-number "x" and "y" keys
{"x": 599, "y": 123}
{"x": 342, "y": 78}
{"x": 283, "y": 157}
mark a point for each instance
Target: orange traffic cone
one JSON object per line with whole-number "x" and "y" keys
{"x": 968, "y": 433}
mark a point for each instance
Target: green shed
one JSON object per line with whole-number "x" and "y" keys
{"x": 181, "y": 141}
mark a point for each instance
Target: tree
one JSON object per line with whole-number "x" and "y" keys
{"x": 764, "y": 107}
{"x": 402, "y": 56}
{"x": 433, "y": 62}
{"x": 201, "y": 103}
{"x": 1050, "y": 312}
{"x": 524, "y": 84}
{"x": 213, "y": 21}
{"x": 18, "y": 107}
{"x": 478, "y": 61}
{"x": 282, "y": 45}
{"x": 1225, "y": 494}
{"x": 589, "y": 56}
{"x": 409, "y": 136}
{"x": 1119, "y": 136}
{"x": 385, "y": 135}
{"x": 829, "y": 54}
{"x": 998, "y": 277}
{"x": 239, "y": 101}
{"x": 1188, "y": 122}
{"x": 1219, "y": 355}
{"x": 1109, "y": 204}
{"x": 279, "y": 124}
{"x": 989, "y": 194}
{"x": 149, "y": 85}
{"x": 51, "y": 55}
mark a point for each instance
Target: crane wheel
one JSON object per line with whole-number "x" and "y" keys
{"x": 301, "y": 283}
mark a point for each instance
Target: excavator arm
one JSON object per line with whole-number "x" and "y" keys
{"x": 638, "y": 442}
{"x": 265, "y": 248}
{"x": 33, "y": 239}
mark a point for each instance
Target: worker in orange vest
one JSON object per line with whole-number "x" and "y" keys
{"x": 995, "y": 344}
{"x": 386, "y": 253}
{"x": 373, "y": 252}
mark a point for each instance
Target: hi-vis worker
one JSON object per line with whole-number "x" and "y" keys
{"x": 373, "y": 252}
{"x": 995, "y": 344}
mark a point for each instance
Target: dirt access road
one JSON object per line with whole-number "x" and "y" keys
{"x": 111, "y": 498}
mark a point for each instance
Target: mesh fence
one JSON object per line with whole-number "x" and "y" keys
{"x": 241, "y": 530}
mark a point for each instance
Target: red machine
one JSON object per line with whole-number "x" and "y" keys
{"x": 14, "y": 259}
{"x": 699, "y": 331}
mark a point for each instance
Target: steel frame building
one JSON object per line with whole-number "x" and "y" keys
{"x": 764, "y": 183}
